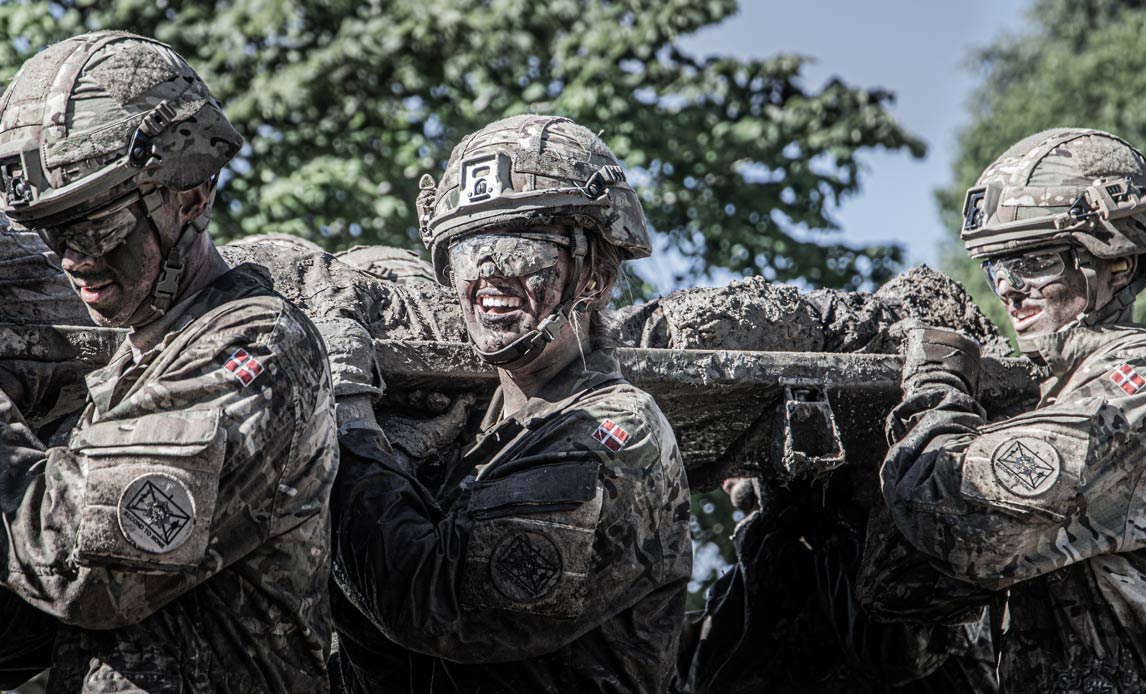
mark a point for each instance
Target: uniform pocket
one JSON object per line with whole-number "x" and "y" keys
{"x": 531, "y": 547}
{"x": 151, "y": 488}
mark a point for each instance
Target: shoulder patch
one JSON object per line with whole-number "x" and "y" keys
{"x": 156, "y": 513}
{"x": 1128, "y": 379}
{"x": 611, "y": 435}
{"x": 1026, "y": 466}
{"x": 243, "y": 366}
{"x": 525, "y": 565}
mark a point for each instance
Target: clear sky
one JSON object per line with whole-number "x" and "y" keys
{"x": 918, "y": 49}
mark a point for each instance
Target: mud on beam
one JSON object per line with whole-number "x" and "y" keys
{"x": 775, "y": 414}
{"x": 56, "y": 343}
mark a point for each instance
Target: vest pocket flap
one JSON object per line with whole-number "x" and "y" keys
{"x": 178, "y": 433}
{"x": 147, "y": 514}
{"x": 541, "y": 488}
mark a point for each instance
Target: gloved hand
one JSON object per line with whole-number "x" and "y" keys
{"x": 937, "y": 357}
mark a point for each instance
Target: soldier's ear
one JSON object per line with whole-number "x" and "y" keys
{"x": 194, "y": 203}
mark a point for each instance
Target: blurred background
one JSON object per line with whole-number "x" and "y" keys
{"x": 825, "y": 143}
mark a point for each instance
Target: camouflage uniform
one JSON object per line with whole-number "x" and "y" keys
{"x": 181, "y": 535}
{"x": 1045, "y": 504}
{"x": 1038, "y": 515}
{"x": 562, "y": 566}
{"x": 557, "y": 557}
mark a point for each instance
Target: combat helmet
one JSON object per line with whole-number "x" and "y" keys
{"x": 528, "y": 171}
{"x": 100, "y": 121}
{"x": 1080, "y": 189}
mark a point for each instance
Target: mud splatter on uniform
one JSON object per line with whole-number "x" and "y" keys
{"x": 182, "y": 534}
{"x": 1048, "y": 505}
{"x": 561, "y": 566}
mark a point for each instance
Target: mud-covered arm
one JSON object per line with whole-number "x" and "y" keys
{"x": 175, "y": 482}
{"x": 566, "y": 536}
{"x": 1001, "y": 503}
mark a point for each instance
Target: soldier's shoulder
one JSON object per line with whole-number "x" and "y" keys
{"x": 262, "y": 324}
{"x": 627, "y": 420}
{"x": 624, "y": 400}
{"x": 266, "y": 317}
{"x": 1120, "y": 343}
{"x": 1129, "y": 334}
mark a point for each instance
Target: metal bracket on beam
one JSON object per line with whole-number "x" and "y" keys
{"x": 806, "y": 440}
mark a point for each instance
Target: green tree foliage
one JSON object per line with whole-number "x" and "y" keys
{"x": 345, "y": 103}
{"x": 1080, "y": 65}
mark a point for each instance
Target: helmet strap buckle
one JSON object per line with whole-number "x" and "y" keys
{"x": 171, "y": 272}
{"x": 168, "y": 285}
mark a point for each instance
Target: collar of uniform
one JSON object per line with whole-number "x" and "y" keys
{"x": 244, "y": 280}
{"x": 144, "y": 338}
{"x": 600, "y": 366}
{"x": 1065, "y": 350}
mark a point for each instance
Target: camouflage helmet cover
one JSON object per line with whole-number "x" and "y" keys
{"x": 1064, "y": 187}
{"x": 99, "y": 116}
{"x": 528, "y": 171}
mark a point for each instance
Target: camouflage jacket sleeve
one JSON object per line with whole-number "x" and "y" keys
{"x": 571, "y": 530}
{"x": 999, "y": 503}
{"x": 196, "y": 464}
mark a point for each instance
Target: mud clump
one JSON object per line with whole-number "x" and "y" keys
{"x": 748, "y": 314}
{"x": 324, "y": 287}
{"x": 930, "y": 297}
{"x": 753, "y": 314}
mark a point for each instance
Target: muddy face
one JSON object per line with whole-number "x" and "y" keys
{"x": 499, "y": 309}
{"x": 1044, "y": 310}
{"x": 115, "y": 285}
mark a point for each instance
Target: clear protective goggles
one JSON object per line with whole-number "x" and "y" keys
{"x": 1025, "y": 272}
{"x": 512, "y": 255}
{"x": 96, "y": 234}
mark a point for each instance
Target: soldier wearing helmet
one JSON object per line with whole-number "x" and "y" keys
{"x": 1042, "y": 512}
{"x": 180, "y": 537}
{"x": 557, "y": 556}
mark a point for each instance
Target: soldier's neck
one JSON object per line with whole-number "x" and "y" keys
{"x": 204, "y": 266}
{"x": 519, "y": 385}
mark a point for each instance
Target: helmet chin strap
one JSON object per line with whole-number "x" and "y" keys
{"x": 167, "y": 284}
{"x": 1109, "y": 311}
{"x": 532, "y": 343}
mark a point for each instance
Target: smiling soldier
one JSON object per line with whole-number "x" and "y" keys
{"x": 558, "y": 560}
{"x": 1047, "y": 505}
{"x": 181, "y": 535}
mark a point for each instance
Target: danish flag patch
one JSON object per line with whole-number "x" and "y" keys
{"x": 243, "y": 367}
{"x": 1126, "y": 378}
{"x": 611, "y": 435}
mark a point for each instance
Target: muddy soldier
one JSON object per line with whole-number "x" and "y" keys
{"x": 558, "y": 559}
{"x": 1047, "y": 505}
{"x": 181, "y": 534}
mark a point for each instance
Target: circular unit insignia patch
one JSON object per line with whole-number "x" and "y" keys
{"x": 525, "y": 565}
{"x": 1026, "y": 466}
{"x": 156, "y": 513}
